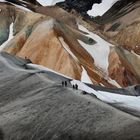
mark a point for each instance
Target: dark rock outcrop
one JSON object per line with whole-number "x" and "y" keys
{"x": 78, "y": 5}
{"x": 34, "y": 2}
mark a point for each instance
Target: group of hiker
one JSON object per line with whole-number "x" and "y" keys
{"x": 64, "y": 84}
{"x": 75, "y": 86}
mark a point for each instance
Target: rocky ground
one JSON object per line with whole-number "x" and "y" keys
{"x": 36, "y": 108}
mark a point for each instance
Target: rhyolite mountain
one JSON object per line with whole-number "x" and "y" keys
{"x": 52, "y": 37}
{"x": 121, "y": 23}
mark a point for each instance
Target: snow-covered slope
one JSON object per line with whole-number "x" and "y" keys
{"x": 130, "y": 102}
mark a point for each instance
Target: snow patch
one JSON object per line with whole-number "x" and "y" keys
{"x": 66, "y": 47}
{"x": 138, "y": 56}
{"x": 10, "y": 37}
{"x": 21, "y": 7}
{"x": 84, "y": 77}
{"x": 100, "y": 9}
{"x": 40, "y": 67}
{"x": 45, "y": 2}
{"x": 113, "y": 82}
{"x": 99, "y": 51}
{"x": 132, "y": 102}
{"x": 48, "y": 2}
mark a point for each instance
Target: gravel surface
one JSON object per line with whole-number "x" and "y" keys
{"x": 36, "y": 108}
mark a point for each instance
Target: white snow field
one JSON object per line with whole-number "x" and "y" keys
{"x": 99, "y": 51}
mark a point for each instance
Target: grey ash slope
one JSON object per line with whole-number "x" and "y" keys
{"x": 32, "y": 108}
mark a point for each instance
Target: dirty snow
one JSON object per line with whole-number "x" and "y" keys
{"x": 113, "y": 82}
{"x": 10, "y": 37}
{"x": 40, "y": 67}
{"x": 48, "y": 2}
{"x": 84, "y": 77}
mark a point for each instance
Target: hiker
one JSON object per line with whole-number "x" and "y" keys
{"x": 62, "y": 83}
{"x": 76, "y": 86}
{"x": 65, "y": 83}
{"x": 73, "y": 86}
